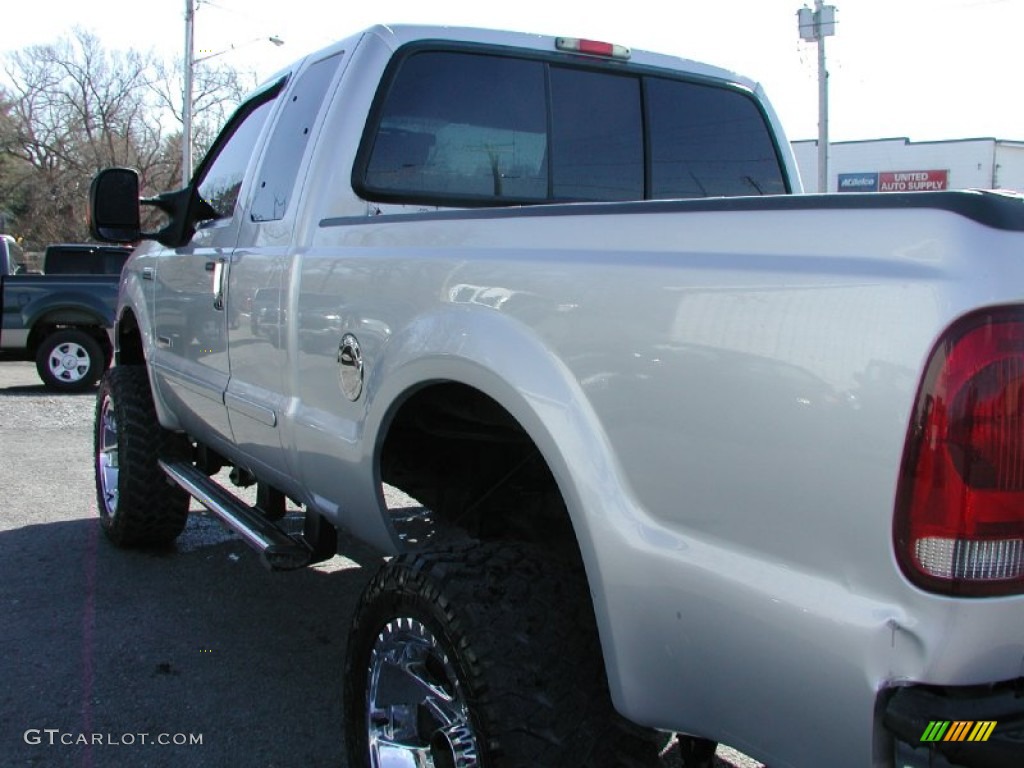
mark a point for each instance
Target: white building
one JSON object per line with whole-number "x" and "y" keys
{"x": 900, "y": 165}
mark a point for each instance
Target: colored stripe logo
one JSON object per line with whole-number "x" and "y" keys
{"x": 958, "y": 730}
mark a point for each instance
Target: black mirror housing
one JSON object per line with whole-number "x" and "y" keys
{"x": 114, "y": 206}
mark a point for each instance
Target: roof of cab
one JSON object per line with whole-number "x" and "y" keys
{"x": 397, "y": 35}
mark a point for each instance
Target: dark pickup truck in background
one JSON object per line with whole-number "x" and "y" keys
{"x": 61, "y": 318}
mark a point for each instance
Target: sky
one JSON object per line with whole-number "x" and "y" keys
{"x": 924, "y": 69}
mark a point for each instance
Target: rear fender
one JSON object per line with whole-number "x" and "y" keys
{"x": 499, "y": 357}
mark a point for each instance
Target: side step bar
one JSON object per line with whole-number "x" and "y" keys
{"x": 278, "y": 550}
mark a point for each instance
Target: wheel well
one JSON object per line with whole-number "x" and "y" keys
{"x": 473, "y": 467}
{"x": 129, "y": 341}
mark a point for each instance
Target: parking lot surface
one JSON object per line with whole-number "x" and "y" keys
{"x": 189, "y": 656}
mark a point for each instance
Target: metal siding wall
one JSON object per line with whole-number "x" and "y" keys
{"x": 969, "y": 161}
{"x": 1009, "y": 173}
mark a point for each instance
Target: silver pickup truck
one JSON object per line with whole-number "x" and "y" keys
{"x": 695, "y": 452}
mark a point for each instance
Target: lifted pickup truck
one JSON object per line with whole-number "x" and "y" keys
{"x": 696, "y": 453}
{"x": 63, "y": 318}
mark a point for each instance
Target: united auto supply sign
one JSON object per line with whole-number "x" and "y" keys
{"x": 894, "y": 181}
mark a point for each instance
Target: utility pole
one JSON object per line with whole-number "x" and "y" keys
{"x": 186, "y": 103}
{"x": 190, "y": 66}
{"x": 815, "y": 26}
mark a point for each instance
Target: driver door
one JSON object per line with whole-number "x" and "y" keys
{"x": 190, "y": 359}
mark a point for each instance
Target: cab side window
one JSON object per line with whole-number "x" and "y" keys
{"x": 222, "y": 172}
{"x": 276, "y": 178}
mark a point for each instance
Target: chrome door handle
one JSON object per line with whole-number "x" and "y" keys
{"x": 218, "y": 282}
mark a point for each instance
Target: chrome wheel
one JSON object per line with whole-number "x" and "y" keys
{"x": 107, "y": 457}
{"x": 136, "y": 504}
{"x": 416, "y": 714}
{"x": 69, "y": 362}
{"x": 482, "y": 653}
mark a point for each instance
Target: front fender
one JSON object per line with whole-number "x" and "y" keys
{"x": 135, "y": 307}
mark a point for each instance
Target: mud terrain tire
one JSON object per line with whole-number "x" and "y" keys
{"x": 138, "y": 505}
{"x": 492, "y": 654}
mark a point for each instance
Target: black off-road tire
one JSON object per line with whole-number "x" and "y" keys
{"x": 70, "y": 360}
{"x": 138, "y": 505}
{"x": 518, "y": 631}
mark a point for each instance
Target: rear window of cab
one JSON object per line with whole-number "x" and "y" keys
{"x": 473, "y": 128}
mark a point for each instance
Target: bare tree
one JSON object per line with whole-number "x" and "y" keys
{"x": 74, "y": 107}
{"x": 216, "y": 91}
{"x": 8, "y": 206}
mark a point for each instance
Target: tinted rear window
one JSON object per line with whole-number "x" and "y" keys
{"x": 463, "y": 125}
{"x": 465, "y": 128}
{"x": 708, "y": 142}
{"x": 597, "y": 136}
{"x": 84, "y": 261}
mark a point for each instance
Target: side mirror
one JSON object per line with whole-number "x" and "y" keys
{"x": 114, "y": 206}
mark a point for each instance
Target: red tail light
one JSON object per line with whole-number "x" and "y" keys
{"x": 959, "y": 523}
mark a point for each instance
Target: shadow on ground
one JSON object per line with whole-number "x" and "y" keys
{"x": 197, "y": 640}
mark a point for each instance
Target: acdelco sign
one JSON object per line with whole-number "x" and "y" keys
{"x": 858, "y": 182}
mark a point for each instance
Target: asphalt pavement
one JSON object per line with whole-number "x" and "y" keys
{"x": 189, "y": 656}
